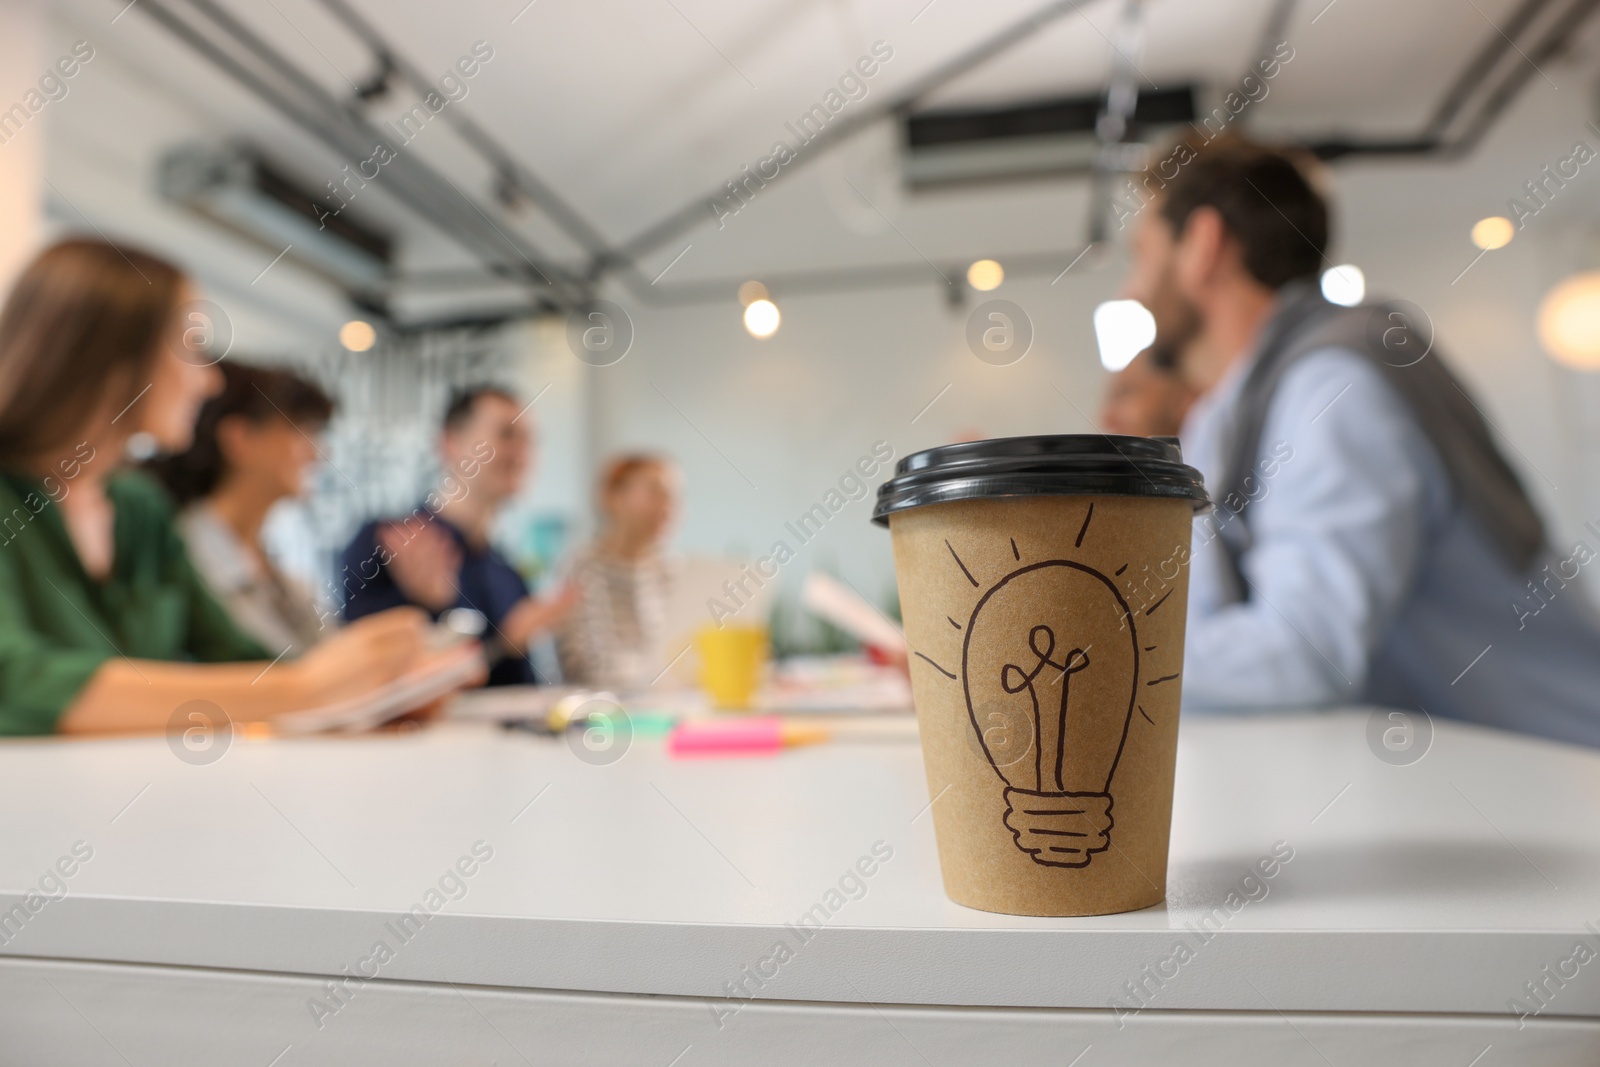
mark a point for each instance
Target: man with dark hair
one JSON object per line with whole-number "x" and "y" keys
{"x": 440, "y": 557}
{"x": 1370, "y": 543}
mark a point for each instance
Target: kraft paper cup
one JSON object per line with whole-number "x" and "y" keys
{"x": 1043, "y": 584}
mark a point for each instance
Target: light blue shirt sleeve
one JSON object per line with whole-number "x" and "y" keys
{"x": 1337, "y": 534}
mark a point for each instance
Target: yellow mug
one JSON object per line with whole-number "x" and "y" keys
{"x": 731, "y": 661}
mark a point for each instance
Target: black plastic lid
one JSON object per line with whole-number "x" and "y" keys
{"x": 1074, "y": 464}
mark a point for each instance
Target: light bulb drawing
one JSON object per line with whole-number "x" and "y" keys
{"x": 1051, "y": 732}
{"x": 1050, "y": 669}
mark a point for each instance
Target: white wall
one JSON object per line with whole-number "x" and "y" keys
{"x": 764, "y": 429}
{"x": 22, "y": 62}
{"x": 106, "y": 139}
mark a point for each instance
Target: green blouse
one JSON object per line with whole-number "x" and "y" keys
{"x": 57, "y": 625}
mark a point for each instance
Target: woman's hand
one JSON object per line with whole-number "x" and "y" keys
{"x": 133, "y": 696}
{"x": 368, "y": 653}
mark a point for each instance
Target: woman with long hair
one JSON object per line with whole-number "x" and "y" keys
{"x": 104, "y": 624}
{"x": 254, "y": 445}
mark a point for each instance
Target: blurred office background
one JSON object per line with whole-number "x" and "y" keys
{"x": 631, "y": 112}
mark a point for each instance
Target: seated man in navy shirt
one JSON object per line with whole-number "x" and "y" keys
{"x": 439, "y": 557}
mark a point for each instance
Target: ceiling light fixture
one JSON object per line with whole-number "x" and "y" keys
{"x": 761, "y": 318}
{"x": 985, "y": 274}
{"x": 1569, "y": 321}
{"x": 1493, "y": 232}
{"x": 1123, "y": 329}
{"x": 1344, "y": 284}
{"x": 358, "y": 335}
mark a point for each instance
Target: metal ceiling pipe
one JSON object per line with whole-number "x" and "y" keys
{"x": 1114, "y": 128}
{"x": 1478, "y": 68}
{"x": 622, "y": 260}
{"x": 519, "y": 176}
{"x": 695, "y": 214}
{"x": 1555, "y": 40}
{"x": 1428, "y": 143}
{"x": 423, "y": 188}
{"x": 1435, "y": 139}
{"x": 408, "y": 178}
{"x": 420, "y": 184}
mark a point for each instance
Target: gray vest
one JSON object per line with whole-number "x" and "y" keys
{"x": 1482, "y": 479}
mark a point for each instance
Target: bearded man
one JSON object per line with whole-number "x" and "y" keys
{"x": 1370, "y": 542}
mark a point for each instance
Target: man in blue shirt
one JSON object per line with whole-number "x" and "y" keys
{"x": 1370, "y": 544}
{"x": 439, "y": 557}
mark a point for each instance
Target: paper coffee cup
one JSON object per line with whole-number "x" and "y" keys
{"x": 1043, "y": 584}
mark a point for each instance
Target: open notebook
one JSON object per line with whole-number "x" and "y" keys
{"x": 443, "y": 674}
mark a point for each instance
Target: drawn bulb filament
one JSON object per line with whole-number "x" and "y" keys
{"x": 1049, "y": 730}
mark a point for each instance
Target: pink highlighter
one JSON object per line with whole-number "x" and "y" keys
{"x": 762, "y": 735}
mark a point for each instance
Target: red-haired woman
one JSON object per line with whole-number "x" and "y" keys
{"x": 611, "y": 638}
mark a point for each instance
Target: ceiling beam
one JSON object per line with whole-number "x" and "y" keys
{"x": 1475, "y": 80}
{"x": 696, "y": 213}
{"x": 339, "y": 124}
{"x": 511, "y": 171}
{"x": 216, "y": 35}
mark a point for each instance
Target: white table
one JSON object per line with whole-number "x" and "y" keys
{"x": 621, "y": 899}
